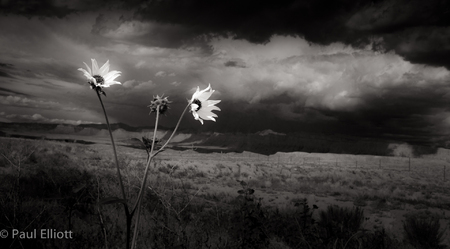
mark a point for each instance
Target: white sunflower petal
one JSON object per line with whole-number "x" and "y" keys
{"x": 112, "y": 83}
{"x": 215, "y": 108}
{"x": 205, "y": 113}
{"x": 88, "y": 68}
{"x": 104, "y": 69}
{"x": 86, "y": 73}
{"x": 198, "y": 93}
{"x": 94, "y": 67}
{"x": 211, "y": 118}
{"x": 212, "y": 102}
{"x": 210, "y": 108}
{"x": 204, "y": 96}
{"x": 111, "y": 75}
{"x": 194, "y": 96}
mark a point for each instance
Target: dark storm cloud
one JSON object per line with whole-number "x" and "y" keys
{"x": 5, "y": 92}
{"x": 6, "y": 75}
{"x": 256, "y": 21}
{"x": 235, "y": 63}
{"x": 6, "y": 65}
{"x": 42, "y": 8}
{"x": 415, "y": 29}
{"x": 7, "y": 70}
{"x": 125, "y": 28}
{"x": 396, "y": 15}
{"x": 386, "y": 25}
{"x": 289, "y": 69}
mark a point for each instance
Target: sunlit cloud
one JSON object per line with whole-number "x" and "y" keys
{"x": 161, "y": 74}
{"x": 175, "y": 83}
{"x": 135, "y": 84}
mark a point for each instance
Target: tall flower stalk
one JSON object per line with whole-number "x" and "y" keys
{"x": 98, "y": 78}
{"x": 159, "y": 104}
{"x": 199, "y": 105}
{"x": 137, "y": 205}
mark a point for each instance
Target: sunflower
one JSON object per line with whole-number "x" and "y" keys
{"x": 201, "y": 107}
{"x": 100, "y": 77}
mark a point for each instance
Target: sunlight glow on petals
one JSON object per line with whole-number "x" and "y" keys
{"x": 95, "y": 74}
{"x": 201, "y": 107}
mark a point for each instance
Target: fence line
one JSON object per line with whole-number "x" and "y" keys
{"x": 292, "y": 161}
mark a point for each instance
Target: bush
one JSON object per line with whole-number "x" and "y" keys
{"x": 340, "y": 224}
{"x": 249, "y": 221}
{"x": 423, "y": 232}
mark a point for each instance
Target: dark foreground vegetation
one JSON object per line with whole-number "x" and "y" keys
{"x": 44, "y": 186}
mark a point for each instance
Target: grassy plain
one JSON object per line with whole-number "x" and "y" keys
{"x": 204, "y": 201}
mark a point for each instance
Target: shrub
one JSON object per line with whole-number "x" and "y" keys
{"x": 249, "y": 221}
{"x": 423, "y": 232}
{"x": 340, "y": 224}
{"x": 378, "y": 239}
{"x": 297, "y": 228}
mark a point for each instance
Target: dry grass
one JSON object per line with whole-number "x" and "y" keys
{"x": 58, "y": 185}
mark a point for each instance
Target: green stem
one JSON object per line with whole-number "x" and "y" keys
{"x": 127, "y": 213}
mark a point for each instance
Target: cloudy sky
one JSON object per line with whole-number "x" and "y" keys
{"x": 365, "y": 68}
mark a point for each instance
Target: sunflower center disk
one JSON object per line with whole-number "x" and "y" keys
{"x": 198, "y": 103}
{"x": 99, "y": 79}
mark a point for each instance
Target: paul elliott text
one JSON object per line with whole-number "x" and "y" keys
{"x": 42, "y": 234}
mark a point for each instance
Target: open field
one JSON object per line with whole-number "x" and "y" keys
{"x": 57, "y": 185}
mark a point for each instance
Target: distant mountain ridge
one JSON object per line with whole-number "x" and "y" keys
{"x": 263, "y": 142}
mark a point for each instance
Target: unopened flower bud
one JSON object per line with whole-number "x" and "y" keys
{"x": 161, "y": 103}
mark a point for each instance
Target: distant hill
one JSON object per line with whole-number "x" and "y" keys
{"x": 263, "y": 142}
{"x": 121, "y": 126}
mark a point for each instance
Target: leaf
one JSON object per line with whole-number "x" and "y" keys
{"x": 112, "y": 200}
{"x": 241, "y": 192}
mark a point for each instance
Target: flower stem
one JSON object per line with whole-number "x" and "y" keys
{"x": 174, "y": 130}
{"x": 127, "y": 213}
{"x": 114, "y": 147}
{"x": 142, "y": 190}
{"x": 150, "y": 157}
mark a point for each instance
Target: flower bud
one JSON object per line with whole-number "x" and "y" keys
{"x": 161, "y": 103}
